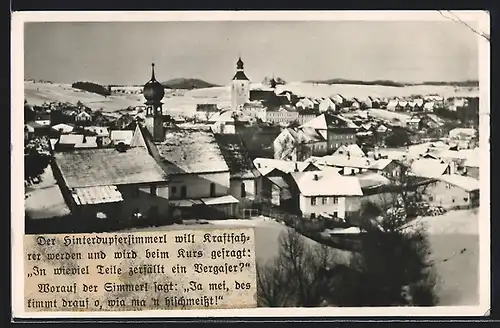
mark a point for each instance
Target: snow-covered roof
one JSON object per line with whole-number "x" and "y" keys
{"x": 464, "y": 182}
{"x": 266, "y": 165}
{"x": 352, "y": 150}
{"x": 326, "y": 183}
{"x": 64, "y": 128}
{"x": 428, "y": 167}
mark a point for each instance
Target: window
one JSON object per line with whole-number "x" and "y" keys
{"x": 335, "y": 200}
{"x": 324, "y": 201}
{"x": 212, "y": 189}
{"x": 152, "y": 190}
{"x": 243, "y": 190}
{"x": 335, "y": 214}
{"x": 183, "y": 192}
{"x": 174, "y": 190}
{"x": 313, "y": 201}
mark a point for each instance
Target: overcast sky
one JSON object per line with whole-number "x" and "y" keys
{"x": 122, "y": 52}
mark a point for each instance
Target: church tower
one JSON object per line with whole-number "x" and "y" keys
{"x": 154, "y": 92}
{"x": 240, "y": 89}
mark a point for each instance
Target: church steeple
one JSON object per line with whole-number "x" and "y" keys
{"x": 240, "y": 89}
{"x": 240, "y": 74}
{"x": 154, "y": 92}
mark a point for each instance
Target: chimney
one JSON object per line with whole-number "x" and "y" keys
{"x": 315, "y": 177}
{"x": 296, "y": 167}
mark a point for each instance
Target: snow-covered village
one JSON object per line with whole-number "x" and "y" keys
{"x": 361, "y": 169}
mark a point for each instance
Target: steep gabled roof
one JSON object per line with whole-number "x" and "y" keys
{"x": 236, "y": 156}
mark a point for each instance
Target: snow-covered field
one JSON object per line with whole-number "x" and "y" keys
{"x": 453, "y": 237}
{"x": 389, "y": 115}
{"x": 185, "y": 102}
{"x": 363, "y": 91}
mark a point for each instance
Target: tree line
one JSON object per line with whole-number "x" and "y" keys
{"x": 92, "y": 87}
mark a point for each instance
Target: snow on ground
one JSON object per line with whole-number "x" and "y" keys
{"x": 454, "y": 243}
{"x": 449, "y": 235}
{"x": 267, "y": 232}
{"x": 181, "y": 101}
{"x": 363, "y": 91}
{"x": 44, "y": 200}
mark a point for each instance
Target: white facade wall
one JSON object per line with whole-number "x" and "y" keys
{"x": 250, "y": 188}
{"x": 198, "y": 185}
{"x": 330, "y": 207}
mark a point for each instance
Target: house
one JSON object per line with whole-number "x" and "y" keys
{"x": 429, "y": 106}
{"x": 121, "y": 137}
{"x": 338, "y": 99}
{"x": 430, "y": 168}
{"x": 402, "y": 106}
{"x": 350, "y": 150}
{"x": 43, "y": 119}
{"x": 198, "y": 173}
{"x": 472, "y": 167}
{"x": 392, "y": 104}
{"x": 327, "y": 104}
{"x": 35, "y": 129}
{"x": 83, "y": 116}
{"x": 255, "y": 109}
{"x": 284, "y": 114}
{"x": 367, "y": 103}
{"x": 337, "y": 130}
{"x": 63, "y": 128}
{"x": 382, "y": 129}
{"x": 100, "y": 131}
{"x": 355, "y": 104}
{"x": 117, "y": 182}
{"x": 306, "y": 115}
{"x": 305, "y": 103}
{"x": 243, "y": 177}
{"x": 418, "y": 104}
{"x": 296, "y": 144}
{"x": 454, "y": 190}
{"x": 325, "y": 192}
{"x": 414, "y": 123}
{"x": 352, "y": 165}
{"x": 463, "y": 133}
{"x": 266, "y": 165}
{"x": 29, "y": 132}
{"x": 457, "y": 103}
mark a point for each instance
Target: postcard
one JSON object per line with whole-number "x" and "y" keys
{"x": 250, "y": 164}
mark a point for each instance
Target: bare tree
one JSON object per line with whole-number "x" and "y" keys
{"x": 299, "y": 275}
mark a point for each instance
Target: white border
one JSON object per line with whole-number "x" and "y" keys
{"x": 17, "y": 164}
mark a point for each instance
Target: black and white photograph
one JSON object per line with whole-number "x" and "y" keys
{"x": 352, "y": 147}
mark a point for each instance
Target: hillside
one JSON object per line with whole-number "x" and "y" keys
{"x": 189, "y": 84}
{"x": 389, "y": 83}
{"x": 185, "y": 101}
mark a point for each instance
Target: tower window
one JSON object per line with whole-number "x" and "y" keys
{"x": 212, "y": 189}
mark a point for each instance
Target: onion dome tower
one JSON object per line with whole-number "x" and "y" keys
{"x": 154, "y": 92}
{"x": 240, "y": 89}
